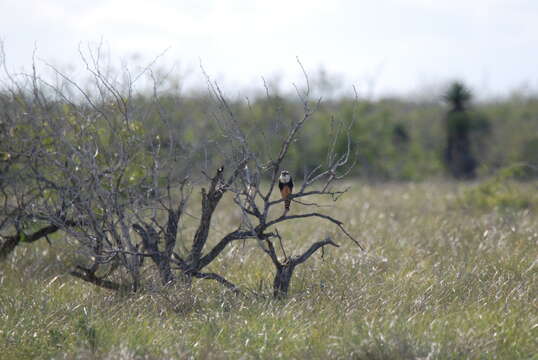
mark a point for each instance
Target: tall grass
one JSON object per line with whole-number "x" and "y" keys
{"x": 439, "y": 281}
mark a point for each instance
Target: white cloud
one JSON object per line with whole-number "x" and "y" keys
{"x": 405, "y": 41}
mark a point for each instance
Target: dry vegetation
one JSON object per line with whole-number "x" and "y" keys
{"x": 439, "y": 280}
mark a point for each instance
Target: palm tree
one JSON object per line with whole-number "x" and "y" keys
{"x": 458, "y": 156}
{"x": 457, "y": 95}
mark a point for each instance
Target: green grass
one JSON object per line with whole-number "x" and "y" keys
{"x": 439, "y": 281}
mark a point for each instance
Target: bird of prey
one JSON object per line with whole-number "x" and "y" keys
{"x": 285, "y": 184}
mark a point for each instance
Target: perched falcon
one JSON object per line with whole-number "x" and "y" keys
{"x": 285, "y": 184}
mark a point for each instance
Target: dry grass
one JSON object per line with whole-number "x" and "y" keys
{"x": 439, "y": 281}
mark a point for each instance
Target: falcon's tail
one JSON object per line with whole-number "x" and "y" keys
{"x": 287, "y": 203}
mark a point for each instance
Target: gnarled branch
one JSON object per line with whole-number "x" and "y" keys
{"x": 90, "y": 277}
{"x": 218, "y": 278}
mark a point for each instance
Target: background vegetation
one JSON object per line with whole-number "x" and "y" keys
{"x": 395, "y": 138}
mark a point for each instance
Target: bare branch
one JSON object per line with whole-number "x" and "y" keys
{"x": 10, "y": 242}
{"x": 272, "y": 254}
{"x": 315, "y": 246}
{"x": 281, "y": 245}
{"x": 221, "y": 245}
{"x": 91, "y": 278}
{"x": 218, "y": 278}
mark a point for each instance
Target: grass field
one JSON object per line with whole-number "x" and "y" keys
{"x": 443, "y": 278}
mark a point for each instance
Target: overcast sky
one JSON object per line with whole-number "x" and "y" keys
{"x": 401, "y": 46}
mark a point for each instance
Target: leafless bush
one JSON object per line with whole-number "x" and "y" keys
{"x": 109, "y": 172}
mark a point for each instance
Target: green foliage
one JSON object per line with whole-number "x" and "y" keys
{"x": 458, "y": 96}
{"x": 87, "y": 333}
{"x": 500, "y": 191}
{"x": 529, "y": 160}
{"x": 393, "y": 139}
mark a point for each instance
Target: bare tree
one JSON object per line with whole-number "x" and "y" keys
{"x": 255, "y": 203}
{"x": 108, "y": 171}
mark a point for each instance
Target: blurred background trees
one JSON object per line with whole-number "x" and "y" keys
{"x": 459, "y": 158}
{"x": 395, "y": 139}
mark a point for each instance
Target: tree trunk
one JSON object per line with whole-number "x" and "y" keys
{"x": 282, "y": 280}
{"x": 284, "y": 271}
{"x": 150, "y": 239}
{"x": 165, "y": 271}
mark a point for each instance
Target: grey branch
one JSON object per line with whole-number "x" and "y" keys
{"x": 218, "y": 278}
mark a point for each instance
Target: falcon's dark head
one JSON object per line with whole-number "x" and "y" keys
{"x": 284, "y": 177}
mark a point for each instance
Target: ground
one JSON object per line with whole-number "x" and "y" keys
{"x": 441, "y": 279}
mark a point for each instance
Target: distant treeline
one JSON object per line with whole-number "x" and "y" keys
{"x": 392, "y": 139}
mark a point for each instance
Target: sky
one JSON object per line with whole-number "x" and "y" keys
{"x": 382, "y": 47}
